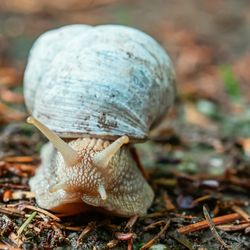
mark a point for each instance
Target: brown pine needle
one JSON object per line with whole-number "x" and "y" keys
{"x": 213, "y": 229}
{"x": 132, "y": 220}
{"x": 154, "y": 224}
{"x": 183, "y": 240}
{"x": 151, "y": 242}
{"x": 11, "y": 211}
{"x": 241, "y": 212}
{"x": 85, "y": 231}
{"x": 26, "y": 223}
{"x": 40, "y": 210}
{"x": 23, "y": 159}
{"x": 203, "y": 224}
{"x": 201, "y": 199}
{"x": 231, "y": 227}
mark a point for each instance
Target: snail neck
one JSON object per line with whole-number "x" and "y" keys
{"x": 71, "y": 151}
{"x": 101, "y": 150}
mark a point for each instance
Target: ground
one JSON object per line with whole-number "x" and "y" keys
{"x": 198, "y": 160}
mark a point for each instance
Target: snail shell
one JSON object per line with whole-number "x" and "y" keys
{"x": 90, "y": 86}
{"x": 105, "y": 81}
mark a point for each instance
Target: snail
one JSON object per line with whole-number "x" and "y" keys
{"x": 94, "y": 91}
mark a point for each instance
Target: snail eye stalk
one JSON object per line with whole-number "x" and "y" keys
{"x": 102, "y": 158}
{"x": 69, "y": 155}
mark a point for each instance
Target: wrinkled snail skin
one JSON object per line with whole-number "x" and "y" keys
{"x": 92, "y": 91}
{"x": 127, "y": 192}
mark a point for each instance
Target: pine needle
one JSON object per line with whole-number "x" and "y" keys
{"x": 213, "y": 229}
{"x": 26, "y": 223}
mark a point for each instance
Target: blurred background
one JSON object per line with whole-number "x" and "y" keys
{"x": 207, "y": 40}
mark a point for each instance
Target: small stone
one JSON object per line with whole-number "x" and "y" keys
{"x": 158, "y": 247}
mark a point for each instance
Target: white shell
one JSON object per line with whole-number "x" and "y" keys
{"x": 43, "y": 52}
{"x": 107, "y": 81}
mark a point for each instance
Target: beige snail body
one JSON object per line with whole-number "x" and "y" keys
{"x": 100, "y": 89}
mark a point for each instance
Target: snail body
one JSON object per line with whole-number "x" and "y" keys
{"x": 99, "y": 88}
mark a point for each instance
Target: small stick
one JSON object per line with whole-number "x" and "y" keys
{"x": 154, "y": 224}
{"x": 151, "y": 242}
{"x": 230, "y": 227}
{"x": 183, "y": 240}
{"x": 187, "y": 217}
{"x": 156, "y": 214}
{"x": 76, "y": 229}
{"x": 132, "y": 220}
{"x": 203, "y": 224}
{"x": 23, "y": 159}
{"x": 200, "y": 199}
{"x": 11, "y": 211}
{"x": 37, "y": 209}
{"x": 14, "y": 186}
{"x": 213, "y": 229}
{"x": 85, "y": 231}
{"x": 241, "y": 212}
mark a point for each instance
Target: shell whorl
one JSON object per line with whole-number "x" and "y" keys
{"x": 106, "y": 81}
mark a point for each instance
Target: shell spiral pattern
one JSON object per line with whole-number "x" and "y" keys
{"x": 103, "y": 81}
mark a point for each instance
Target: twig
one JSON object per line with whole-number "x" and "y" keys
{"x": 203, "y": 224}
{"x": 183, "y": 240}
{"x": 187, "y": 217}
{"x": 156, "y": 214}
{"x": 132, "y": 220}
{"x": 200, "y": 199}
{"x": 230, "y": 227}
{"x": 13, "y": 186}
{"x": 26, "y": 223}
{"x": 76, "y": 229}
{"x": 153, "y": 225}
{"x": 23, "y": 159}
{"x": 166, "y": 182}
{"x": 241, "y": 212}
{"x": 151, "y": 242}
{"x": 43, "y": 212}
{"x": 85, "y": 231}
{"x": 213, "y": 229}
{"x": 11, "y": 211}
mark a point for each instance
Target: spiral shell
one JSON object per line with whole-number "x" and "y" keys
{"x": 103, "y": 81}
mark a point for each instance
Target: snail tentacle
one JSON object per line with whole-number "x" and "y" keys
{"x": 70, "y": 156}
{"x": 101, "y": 159}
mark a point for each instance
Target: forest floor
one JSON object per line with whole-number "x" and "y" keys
{"x": 198, "y": 160}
